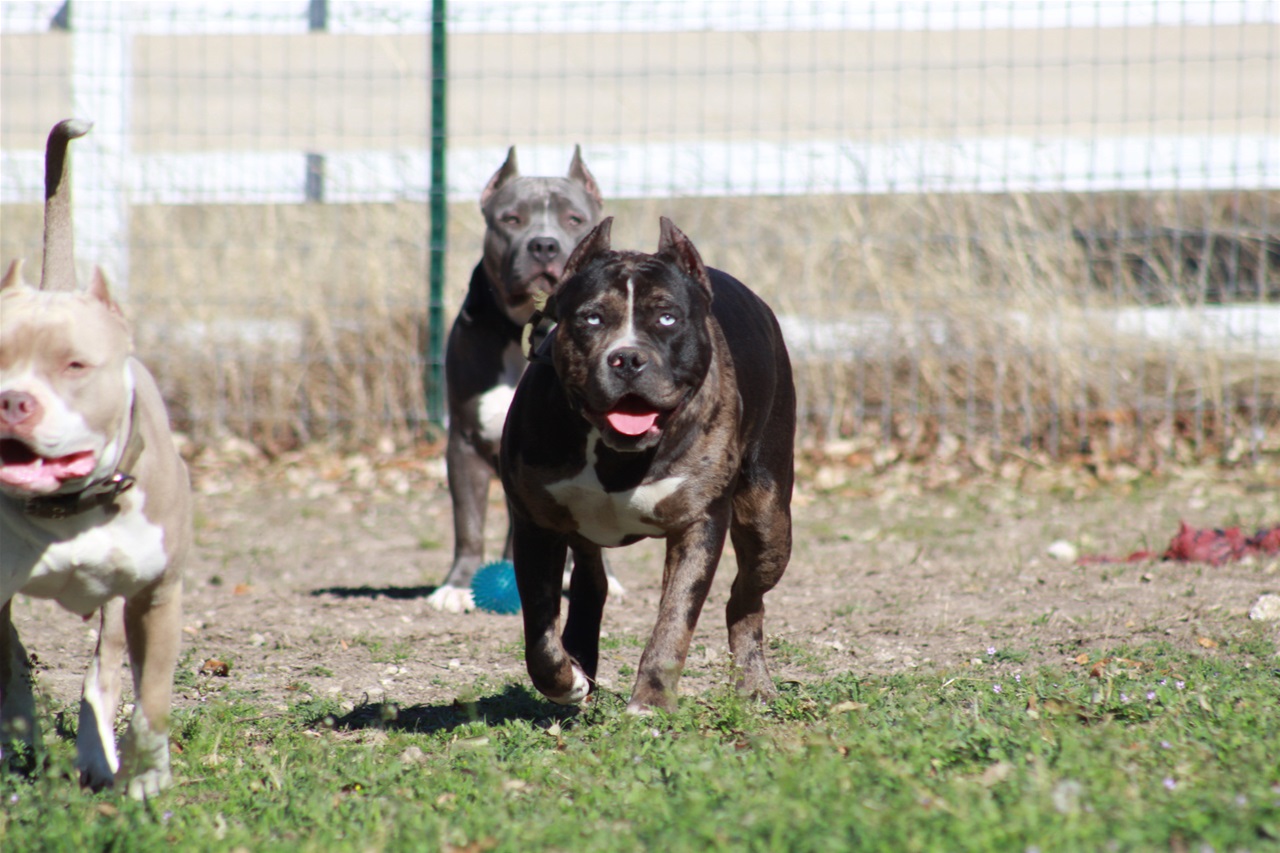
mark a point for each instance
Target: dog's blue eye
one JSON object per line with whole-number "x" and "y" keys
{"x": 667, "y": 320}
{"x": 593, "y": 319}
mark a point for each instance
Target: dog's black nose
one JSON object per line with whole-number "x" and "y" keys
{"x": 544, "y": 249}
{"x": 627, "y": 361}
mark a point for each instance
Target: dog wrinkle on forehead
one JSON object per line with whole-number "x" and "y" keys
{"x": 580, "y": 295}
{"x": 525, "y": 191}
{"x": 572, "y": 202}
{"x": 659, "y": 282}
{"x": 49, "y": 346}
{"x": 23, "y": 341}
{"x": 80, "y": 313}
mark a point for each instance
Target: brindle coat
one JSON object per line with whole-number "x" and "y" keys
{"x": 692, "y": 352}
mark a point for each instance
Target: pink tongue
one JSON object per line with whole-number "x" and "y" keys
{"x": 45, "y": 475}
{"x": 631, "y": 423}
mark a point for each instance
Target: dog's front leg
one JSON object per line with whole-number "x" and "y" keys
{"x": 469, "y": 475}
{"x": 692, "y": 555}
{"x": 539, "y": 562}
{"x": 17, "y": 702}
{"x": 96, "y": 736}
{"x": 153, "y": 627}
{"x": 588, "y": 589}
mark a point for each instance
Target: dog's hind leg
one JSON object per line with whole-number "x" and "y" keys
{"x": 469, "y": 477}
{"x": 17, "y": 702}
{"x": 761, "y": 535}
{"x": 95, "y": 736}
{"x": 539, "y": 561}
{"x": 153, "y": 622}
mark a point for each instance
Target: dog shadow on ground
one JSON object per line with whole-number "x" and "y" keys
{"x": 513, "y": 703}
{"x": 396, "y": 592}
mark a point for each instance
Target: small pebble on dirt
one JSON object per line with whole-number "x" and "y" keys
{"x": 1266, "y": 608}
{"x": 1063, "y": 551}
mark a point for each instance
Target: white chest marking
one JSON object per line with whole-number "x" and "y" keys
{"x": 607, "y": 518}
{"x": 493, "y": 412}
{"x": 78, "y": 563}
{"x": 495, "y": 402}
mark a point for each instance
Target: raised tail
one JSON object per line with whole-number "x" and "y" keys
{"x": 59, "y": 271}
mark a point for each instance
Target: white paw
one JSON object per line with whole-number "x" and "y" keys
{"x": 452, "y": 599}
{"x": 144, "y": 760}
{"x": 575, "y": 694}
{"x": 149, "y": 784}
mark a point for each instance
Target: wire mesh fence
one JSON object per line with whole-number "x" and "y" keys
{"x": 1050, "y": 226}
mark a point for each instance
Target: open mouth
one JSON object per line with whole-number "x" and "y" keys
{"x": 22, "y": 467}
{"x": 632, "y": 416}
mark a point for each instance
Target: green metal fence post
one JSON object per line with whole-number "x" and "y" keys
{"x": 433, "y": 378}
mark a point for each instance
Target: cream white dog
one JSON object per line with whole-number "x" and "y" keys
{"x": 95, "y": 502}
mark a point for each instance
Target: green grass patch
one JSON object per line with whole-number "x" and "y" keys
{"x": 382, "y": 651}
{"x": 1153, "y": 748}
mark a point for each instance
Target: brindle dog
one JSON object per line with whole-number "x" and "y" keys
{"x": 662, "y": 405}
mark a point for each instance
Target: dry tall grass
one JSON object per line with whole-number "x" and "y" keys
{"x": 974, "y": 317}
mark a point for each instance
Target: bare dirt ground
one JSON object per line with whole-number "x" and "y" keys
{"x": 311, "y": 573}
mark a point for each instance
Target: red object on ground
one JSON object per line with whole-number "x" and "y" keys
{"x": 1205, "y": 545}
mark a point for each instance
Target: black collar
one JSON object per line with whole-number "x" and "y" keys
{"x": 536, "y": 334}
{"x": 102, "y": 493}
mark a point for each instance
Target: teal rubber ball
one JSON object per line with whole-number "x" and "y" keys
{"x": 494, "y": 588}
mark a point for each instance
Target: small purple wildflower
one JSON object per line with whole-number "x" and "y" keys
{"x": 1017, "y": 677}
{"x": 13, "y": 799}
{"x": 1151, "y": 695}
{"x": 1164, "y": 744}
{"x": 1124, "y": 698}
{"x": 996, "y": 688}
{"x": 1179, "y": 684}
{"x": 164, "y": 818}
{"x": 991, "y": 650}
{"x": 1163, "y": 682}
{"x": 1170, "y": 783}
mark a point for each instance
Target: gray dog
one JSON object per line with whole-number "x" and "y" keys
{"x": 532, "y": 224}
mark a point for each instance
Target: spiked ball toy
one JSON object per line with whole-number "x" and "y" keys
{"x": 494, "y": 588}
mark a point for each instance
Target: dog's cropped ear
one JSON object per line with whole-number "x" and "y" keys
{"x": 510, "y": 169}
{"x": 100, "y": 291}
{"x": 13, "y": 276}
{"x": 596, "y": 242}
{"x": 672, "y": 242}
{"x": 578, "y": 172}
